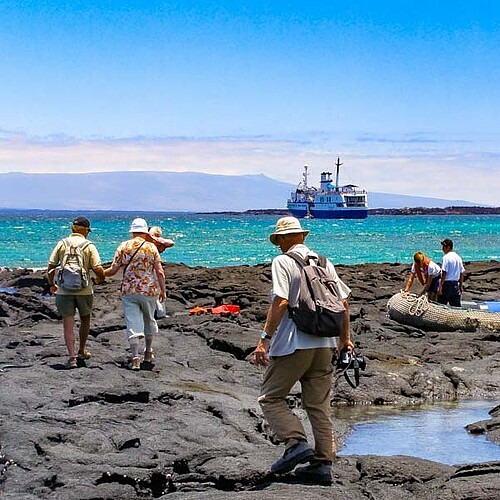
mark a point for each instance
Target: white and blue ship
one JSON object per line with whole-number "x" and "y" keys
{"x": 330, "y": 201}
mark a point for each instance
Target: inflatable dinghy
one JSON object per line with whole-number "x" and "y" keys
{"x": 409, "y": 309}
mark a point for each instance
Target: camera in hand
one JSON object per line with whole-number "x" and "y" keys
{"x": 349, "y": 359}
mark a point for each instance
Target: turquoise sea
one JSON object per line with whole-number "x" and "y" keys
{"x": 213, "y": 240}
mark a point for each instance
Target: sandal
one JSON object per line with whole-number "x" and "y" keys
{"x": 135, "y": 364}
{"x": 72, "y": 363}
{"x": 84, "y": 355}
{"x": 149, "y": 355}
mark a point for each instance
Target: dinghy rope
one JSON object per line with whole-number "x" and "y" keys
{"x": 418, "y": 305}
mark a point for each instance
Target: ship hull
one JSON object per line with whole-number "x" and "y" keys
{"x": 298, "y": 213}
{"x": 347, "y": 213}
{"x": 299, "y": 210}
{"x": 302, "y": 210}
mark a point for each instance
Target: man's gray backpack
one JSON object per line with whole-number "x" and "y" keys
{"x": 72, "y": 276}
{"x": 319, "y": 311}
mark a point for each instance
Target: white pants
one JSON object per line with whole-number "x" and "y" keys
{"x": 139, "y": 316}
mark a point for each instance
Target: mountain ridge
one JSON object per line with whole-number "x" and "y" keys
{"x": 169, "y": 192}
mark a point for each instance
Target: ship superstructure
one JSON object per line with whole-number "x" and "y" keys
{"x": 330, "y": 200}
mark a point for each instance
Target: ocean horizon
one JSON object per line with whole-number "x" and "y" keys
{"x": 216, "y": 240}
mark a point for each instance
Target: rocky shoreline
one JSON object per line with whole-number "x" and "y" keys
{"x": 190, "y": 427}
{"x": 452, "y": 210}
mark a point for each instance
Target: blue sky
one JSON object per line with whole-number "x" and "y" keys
{"x": 406, "y": 93}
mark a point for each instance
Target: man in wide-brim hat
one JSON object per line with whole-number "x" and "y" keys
{"x": 292, "y": 355}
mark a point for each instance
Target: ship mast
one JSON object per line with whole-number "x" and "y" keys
{"x": 337, "y": 176}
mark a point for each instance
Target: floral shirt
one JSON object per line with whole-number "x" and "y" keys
{"x": 139, "y": 277}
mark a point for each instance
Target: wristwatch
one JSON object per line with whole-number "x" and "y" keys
{"x": 265, "y": 336}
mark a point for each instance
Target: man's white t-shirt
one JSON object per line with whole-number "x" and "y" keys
{"x": 286, "y": 284}
{"x": 453, "y": 266}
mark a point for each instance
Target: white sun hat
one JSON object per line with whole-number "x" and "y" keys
{"x": 287, "y": 225}
{"x": 138, "y": 226}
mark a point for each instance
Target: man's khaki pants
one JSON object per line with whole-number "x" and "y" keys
{"x": 313, "y": 368}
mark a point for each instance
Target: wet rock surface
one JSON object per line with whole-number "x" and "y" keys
{"x": 189, "y": 426}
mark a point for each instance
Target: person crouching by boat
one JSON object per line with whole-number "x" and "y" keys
{"x": 428, "y": 274}
{"x": 452, "y": 276}
{"x": 143, "y": 283}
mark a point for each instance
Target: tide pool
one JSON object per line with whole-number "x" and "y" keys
{"x": 433, "y": 432}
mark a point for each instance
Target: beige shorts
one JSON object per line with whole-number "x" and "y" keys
{"x": 68, "y": 304}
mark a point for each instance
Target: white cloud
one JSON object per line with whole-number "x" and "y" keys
{"x": 416, "y": 165}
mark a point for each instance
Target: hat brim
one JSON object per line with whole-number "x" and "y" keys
{"x": 273, "y": 236}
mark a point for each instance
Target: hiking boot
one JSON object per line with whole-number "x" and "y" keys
{"x": 317, "y": 472}
{"x": 296, "y": 454}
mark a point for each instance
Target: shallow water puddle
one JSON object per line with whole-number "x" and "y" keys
{"x": 433, "y": 432}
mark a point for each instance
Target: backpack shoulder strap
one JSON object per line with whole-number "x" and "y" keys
{"x": 303, "y": 262}
{"x": 68, "y": 244}
{"x": 297, "y": 258}
{"x": 84, "y": 244}
{"x": 71, "y": 251}
{"x": 81, "y": 247}
{"x": 321, "y": 260}
{"x": 67, "y": 250}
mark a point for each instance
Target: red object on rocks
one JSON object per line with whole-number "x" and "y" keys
{"x": 226, "y": 309}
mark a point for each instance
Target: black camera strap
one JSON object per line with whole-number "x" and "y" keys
{"x": 355, "y": 366}
{"x": 349, "y": 360}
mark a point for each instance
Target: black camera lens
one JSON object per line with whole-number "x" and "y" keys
{"x": 361, "y": 362}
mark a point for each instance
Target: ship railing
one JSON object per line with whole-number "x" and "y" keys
{"x": 353, "y": 191}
